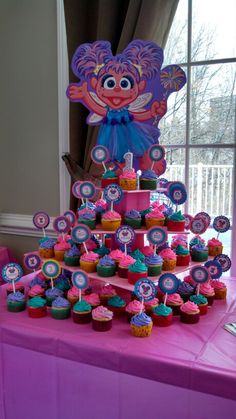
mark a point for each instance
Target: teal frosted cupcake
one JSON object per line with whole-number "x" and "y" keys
{"x": 16, "y": 302}
{"x": 102, "y": 251}
{"x": 199, "y": 253}
{"x": 108, "y": 178}
{"x": 162, "y": 315}
{"x": 141, "y": 325}
{"x": 148, "y": 180}
{"x": 37, "y": 307}
{"x": 81, "y": 312}
{"x": 136, "y": 271}
{"x": 88, "y": 218}
{"x": 133, "y": 219}
{"x": 138, "y": 255}
{"x": 60, "y": 308}
{"x": 106, "y": 266}
{"x": 154, "y": 265}
{"x": 72, "y": 256}
{"x": 51, "y": 294}
{"x": 176, "y": 222}
{"x": 201, "y": 301}
{"x": 117, "y": 305}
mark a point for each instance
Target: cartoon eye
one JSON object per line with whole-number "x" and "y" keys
{"x": 109, "y": 83}
{"x": 126, "y": 83}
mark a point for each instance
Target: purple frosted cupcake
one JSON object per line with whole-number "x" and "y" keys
{"x": 72, "y": 256}
{"x": 16, "y": 302}
{"x": 133, "y": 219}
{"x": 106, "y": 266}
{"x": 154, "y": 265}
{"x": 148, "y": 180}
{"x": 185, "y": 290}
{"x": 88, "y": 218}
{"x": 51, "y": 294}
{"x": 60, "y": 308}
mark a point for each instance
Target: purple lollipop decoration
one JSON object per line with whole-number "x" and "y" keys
{"x": 172, "y": 78}
{"x": 41, "y": 220}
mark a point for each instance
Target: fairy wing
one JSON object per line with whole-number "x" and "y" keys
{"x": 142, "y": 100}
{"x": 93, "y": 118}
{"x": 97, "y": 100}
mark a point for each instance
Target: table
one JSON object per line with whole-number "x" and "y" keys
{"x": 60, "y": 370}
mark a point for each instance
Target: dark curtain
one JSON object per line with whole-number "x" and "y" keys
{"x": 118, "y": 21}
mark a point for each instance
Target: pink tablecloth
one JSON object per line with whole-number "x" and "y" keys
{"x": 181, "y": 358}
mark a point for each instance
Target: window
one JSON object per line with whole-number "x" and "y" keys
{"x": 198, "y": 131}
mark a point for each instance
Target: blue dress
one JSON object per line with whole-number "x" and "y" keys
{"x": 120, "y": 133}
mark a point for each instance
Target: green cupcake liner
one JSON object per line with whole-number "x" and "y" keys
{"x": 150, "y": 184}
{"x": 60, "y": 313}
{"x": 133, "y": 223}
{"x": 154, "y": 270}
{"x": 106, "y": 271}
{"x": 16, "y": 306}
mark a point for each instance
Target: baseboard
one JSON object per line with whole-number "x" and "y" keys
{"x": 22, "y": 225}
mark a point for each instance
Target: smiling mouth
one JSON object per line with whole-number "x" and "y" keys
{"x": 116, "y": 100}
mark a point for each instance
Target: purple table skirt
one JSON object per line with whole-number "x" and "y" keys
{"x": 193, "y": 358}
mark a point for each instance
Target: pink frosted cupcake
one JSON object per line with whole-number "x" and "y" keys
{"x": 18, "y": 287}
{"x": 36, "y": 291}
{"x": 220, "y": 289}
{"x": 73, "y": 295}
{"x": 150, "y": 305}
{"x": 180, "y": 239}
{"x": 189, "y": 313}
{"x": 88, "y": 262}
{"x": 154, "y": 218}
{"x": 111, "y": 220}
{"x": 117, "y": 255}
{"x": 207, "y": 291}
{"x": 92, "y": 299}
{"x": 132, "y": 308}
{"x": 124, "y": 263}
{"x": 214, "y": 247}
{"x": 169, "y": 259}
{"x": 189, "y": 280}
{"x": 60, "y": 249}
{"x": 127, "y": 180}
{"x": 102, "y": 319}
{"x": 174, "y": 301}
{"x": 106, "y": 293}
{"x": 147, "y": 250}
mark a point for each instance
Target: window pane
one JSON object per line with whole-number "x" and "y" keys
{"x": 211, "y": 181}
{"x": 212, "y": 104}
{"x": 176, "y": 47}
{"x": 173, "y": 125}
{"x": 213, "y": 29}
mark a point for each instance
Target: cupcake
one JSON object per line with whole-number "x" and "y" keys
{"x": 150, "y": 305}
{"x": 179, "y": 239}
{"x": 133, "y": 218}
{"x": 154, "y": 218}
{"x": 92, "y": 299}
{"x": 106, "y": 266}
{"x": 117, "y": 255}
{"x": 18, "y": 287}
{"x": 147, "y": 250}
{"x": 196, "y": 240}
{"x": 214, "y": 247}
{"x": 199, "y": 253}
{"x": 35, "y": 291}
{"x": 51, "y": 294}
{"x": 102, "y": 319}
{"x": 108, "y": 178}
{"x": 46, "y": 248}
{"x": 207, "y": 291}
{"x": 111, "y": 220}
{"x": 102, "y": 251}
{"x": 73, "y": 295}
{"x": 72, "y": 256}
{"x": 137, "y": 254}
{"x": 127, "y": 180}
{"x": 136, "y": 271}
{"x": 60, "y": 249}
{"x": 16, "y": 302}
{"x": 123, "y": 266}
{"x": 141, "y": 325}
{"x": 201, "y": 302}
{"x": 148, "y": 180}
{"x": 154, "y": 265}
{"x": 176, "y": 222}
{"x": 63, "y": 284}
{"x": 88, "y": 218}
{"x": 60, "y": 308}
{"x": 105, "y": 293}
{"x": 169, "y": 259}
{"x": 189, "y": 313}
{"x": 162, "y": 315}
{"x": 37, "y": 281}
{"x": 132, "y": 308}
{"x": 81, "y": 312}
{"x": 117, "y": 305}
{"x": 185, "y": 290}
{"x": 143, "y": 214}
{"x": 220, "y": 289}
{"x": 182, "y": 255}
{"x": 88, "y": 262}
{"x": 37, "y": 307}
{"x": 174, "y": 301}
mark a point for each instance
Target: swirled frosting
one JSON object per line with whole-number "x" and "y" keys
{"x": 196, "y": 240}
{"x": 126, "y": 261}
{"x": 111, "y": 216}
{"x": 162, "y": 310}
{"x": 92, "y": 299}
{"x": 60, "y": 302}
{"x": 138, "y": 266}
{"x": 198, "y": 299}
{"x": 214, "y": 242}
{"x": 148, "y": 174}
{"x": 91, "y": 244}
{"x": 177, "y": 216}
{"x": 206, "y": 289}
{"x": 37, "y": 281}
{"x": 36, "y": 290}
{"x": 145, "y": 211}
{"x": 101, "y": 204}
{"x": 174, "y": 299}
{"x": 140, "y": 320}
{"x": 189, "y": 280}
{"x": 62, "y": 245}
{"x": 88, "y": 205}
{"x": 151, "y": 303}
{"x": 107, "y": 290}
{"x": 116, "y": 301}
{"x": 48, "y": 244}
{"x": 106, "y": 261}
{"x": 102, "y": 251}
{"x": 181, "y": 250}
{"x": 36, "y": 302}
{"x": 156, "y": 213}
{"x": 109, "y": 174}
{"x": 146, "y": 250}
{"x": 133, "y": 214}
{"x": 74, "y": 251}
{"x": 217, "y": 285}
{"x": 184, "y": 287}
{"x": 86, "y": 216}
{"x": 63, "y": 284}
{"x": 200, "y": 247}
{"x": 102, "y": 313}
{"x": 153, "y": 260}
{"x": 134, "y": 306}
{"x": 159, "y": 205}
{"x": 15, "y": 296}
{"x": 82, "y": 307}
{"x": 53, "y": 292}
{"x": 138, "y": 255}
{"x": 129, "y": 174}
{"x": 189, "y": 308}
{"x": 18, "y": 286}
{"x": 85, "y": 210}
{"x": 89, "y": 257}
{"x": 167, "y": 254}
{"x": 117, "y": 255}
{"x": 73, "y": 292}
